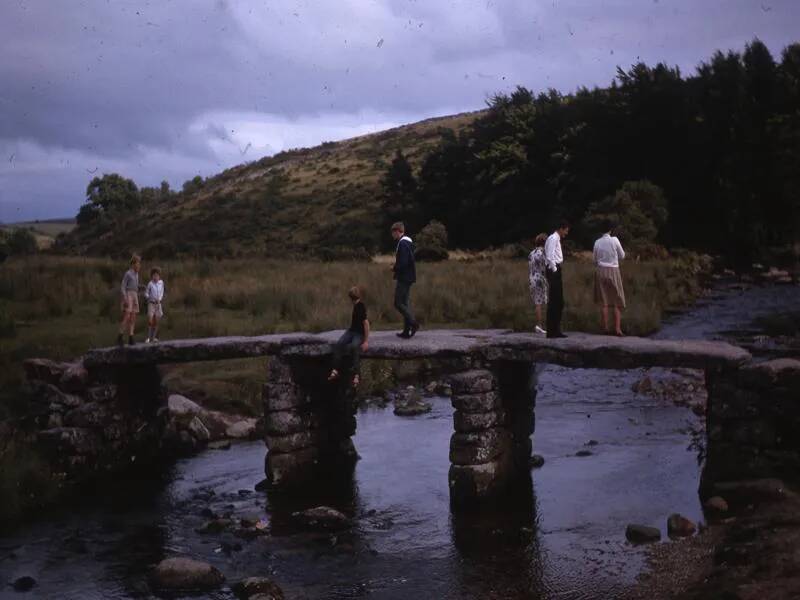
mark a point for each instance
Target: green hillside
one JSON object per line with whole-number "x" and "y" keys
{"x": 323, "y": 200}
{"x": 45, "y": 231}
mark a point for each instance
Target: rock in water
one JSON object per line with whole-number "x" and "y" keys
{"x": 214, "y": 526}
{"x": 408, "y": 403}
{"x": 680, "y": 526}
{"x": 24, "y": 584}
{"x": 243, "y": 429}
{"x": 220, "y": 445}
{"x": 258, "y": 587}
{"x": 716, "y": 504}
{"x": 322, "y": 517}
{"x": 410, "y": 410}
{"x": 536, "y": 461}
{"x": 185, "y": 575}
{"x": 640, "y": 534}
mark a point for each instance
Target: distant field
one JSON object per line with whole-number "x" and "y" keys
{"x": 45, "y": 231}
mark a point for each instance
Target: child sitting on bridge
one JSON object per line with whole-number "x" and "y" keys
{"x": 154, "y": 295}
{"x": 354, "y": 340}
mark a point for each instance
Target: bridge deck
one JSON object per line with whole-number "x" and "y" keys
{"x": 578, "y": 350}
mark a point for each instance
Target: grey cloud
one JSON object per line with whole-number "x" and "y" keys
{"x": 116, "y": 84}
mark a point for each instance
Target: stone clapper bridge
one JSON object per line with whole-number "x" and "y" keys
{"x": 309, "y": 421}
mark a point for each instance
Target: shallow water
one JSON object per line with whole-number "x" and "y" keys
{"x": 563, "y": 537}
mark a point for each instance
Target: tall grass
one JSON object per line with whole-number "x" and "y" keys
{"x": 58, "y": 307}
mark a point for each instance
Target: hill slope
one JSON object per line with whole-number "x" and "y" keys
{"x": 325, "y": 200}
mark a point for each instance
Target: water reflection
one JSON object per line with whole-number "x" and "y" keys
{"x": 502, "y": 540}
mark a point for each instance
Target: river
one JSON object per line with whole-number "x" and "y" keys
{"x": 563, "y": 537}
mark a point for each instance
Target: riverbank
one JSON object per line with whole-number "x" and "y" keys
{"x": 747, "y": 552}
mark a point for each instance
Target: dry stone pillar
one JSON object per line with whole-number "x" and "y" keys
{"x": 493, "y": 421}
{"x": 753, "y": 419}
{"x": 308, "y": 422}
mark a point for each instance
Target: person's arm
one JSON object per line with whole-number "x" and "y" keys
{"x": 123, "y": 286}
{"x": 549, "y": 254}
{"x": 402, "y": 259}
{"x": 163, "y": 290}
{"x": 594, "y": 253}
{"x": 365, "y": 343}
{"x": 620, "y": 251}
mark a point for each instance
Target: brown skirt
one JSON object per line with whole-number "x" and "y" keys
{"x": 608, "y": 289}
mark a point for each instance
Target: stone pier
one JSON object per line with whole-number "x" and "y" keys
{"x": 753, "y": 422}
{"x": 493, "y": 422}
{"x": 308, "y": 422}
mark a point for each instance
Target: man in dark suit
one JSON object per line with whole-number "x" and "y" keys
{"x": 405, "y": 274}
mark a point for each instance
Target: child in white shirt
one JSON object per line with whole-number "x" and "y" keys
{"x": 154, "y": 296}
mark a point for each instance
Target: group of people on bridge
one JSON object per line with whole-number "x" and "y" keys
{"x": 545, "y": 277}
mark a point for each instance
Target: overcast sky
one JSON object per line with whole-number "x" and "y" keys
{"x": 171, "y": 89}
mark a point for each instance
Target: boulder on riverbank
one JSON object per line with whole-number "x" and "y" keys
{"x": 642, "y": 534}
{"x": 716, "y": 504}
{"x": 190, "y": 427}
{"x": 680, "y": 526}
{"x": 181, "y": 574}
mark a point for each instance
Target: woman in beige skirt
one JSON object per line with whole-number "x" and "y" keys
{"x": 608, "y": 290}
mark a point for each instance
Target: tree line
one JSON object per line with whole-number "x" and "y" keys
{"x": 709, "y": 162}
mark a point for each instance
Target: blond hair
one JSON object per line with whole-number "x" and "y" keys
{"x": 135, "y": 258}
{"x": 540, "y": 240}
{"x": 354, "y": 293}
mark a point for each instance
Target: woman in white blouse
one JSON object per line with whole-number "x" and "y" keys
{"x": 608, "y": 290}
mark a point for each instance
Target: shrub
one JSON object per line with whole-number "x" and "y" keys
{"x": 21, "y": 242}
{"x": 7, "y": 327}
{"x": 638, "y": 208}
{"x": 431, "y": 243}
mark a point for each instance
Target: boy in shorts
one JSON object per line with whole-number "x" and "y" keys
{"x": 130, "y": 300}
{"x": 154, "y": 295}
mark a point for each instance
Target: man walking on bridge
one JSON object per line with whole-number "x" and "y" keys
{"x": 405, "y": 273}
{"x": 554, "y": 258}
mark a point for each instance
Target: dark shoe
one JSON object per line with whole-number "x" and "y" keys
{"x": 405, "y": 334}
{"x": 120, "y": 340}
{"x": 556, "y": 336}
{"x": 130, "y": 341}
{"x": 414, "y": 329}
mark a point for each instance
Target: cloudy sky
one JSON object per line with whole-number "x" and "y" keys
{"x": 168, "y": 89}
